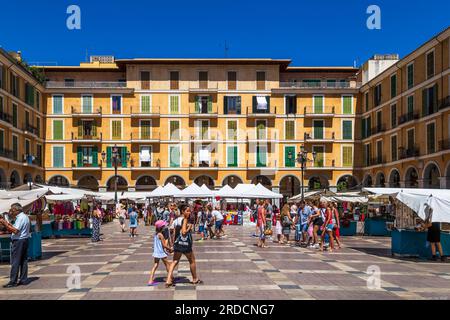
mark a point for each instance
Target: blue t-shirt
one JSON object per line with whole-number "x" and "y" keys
{"x": 304, "y": 214}
{"x": 22, "y": 224}
{"x": 133, "y": 218}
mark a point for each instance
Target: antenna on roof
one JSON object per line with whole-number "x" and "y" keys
{"x": 226, "y": 49}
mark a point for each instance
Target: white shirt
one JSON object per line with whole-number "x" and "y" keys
{"x": 22, "y": 224}
{"x": 217, "y": 215}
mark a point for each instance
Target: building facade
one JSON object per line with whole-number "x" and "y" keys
{"x": 22, "y": 123}
{"x": 226, "y": 121}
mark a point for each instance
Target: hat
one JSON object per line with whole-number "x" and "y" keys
{"x": 160, "y": 224}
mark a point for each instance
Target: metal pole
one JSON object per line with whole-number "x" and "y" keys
{"x": 115, "y": 178}
{"x": 303, "y": 195}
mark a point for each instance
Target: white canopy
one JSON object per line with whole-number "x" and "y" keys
{"x": 194, "y": 191}
{"x": 307, "y": 195}
{"x": 63, "y": 197}
{"x": 421, "y": 204}
{"x": 259, "y": 191}
{"x": 169, "y": 190}
{"x": 225, "y": 191}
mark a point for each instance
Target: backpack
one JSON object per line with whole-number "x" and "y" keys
{"x": 182, "y": 244}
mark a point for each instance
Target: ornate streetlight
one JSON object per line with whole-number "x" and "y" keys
{"x": 115, "y": 160}
{"x": 302, "y": 159}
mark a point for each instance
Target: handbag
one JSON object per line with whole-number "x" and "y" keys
{"x": 183, "y": 244}
{"x": 286, "y": 221}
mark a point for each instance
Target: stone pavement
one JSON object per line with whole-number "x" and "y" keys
{"x": 231, "y": 268}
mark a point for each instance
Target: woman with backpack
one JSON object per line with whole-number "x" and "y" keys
{"x": 183, "y": 246}
{"x": 317, "y": 220}
{"x": 286, "y": 222}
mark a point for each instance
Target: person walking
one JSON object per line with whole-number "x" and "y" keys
{"x": 317, "y": 220}
{"x": 183, "y": 246}
{"x": 96, "y": 222}
{"x": 218, "y": 225}
{"x": 209, "y": 220}
{"x": 133, "y": 222}
{"x": 337, "y": 226}
{"x": 122, "y": 218}
{"x": 286, "y": 223}
{"x": 160, "y": 250}
{"x": 278, "y": 228}
{"x": 261, "y": 224}
{"x": 330, "y": 222}
{"x": 20, "y": 234}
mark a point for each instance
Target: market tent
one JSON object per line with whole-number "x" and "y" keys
{"x": 207, "y": 190}
{"x": 310, "y": 194}
{"x": 63, "y": 197}
{"x": 157, "y": 192}
{"x": 241, "y": 190}
{"x": 259, "y": 191}
{"x": 421, "y": 204}
{"x": 193, "y": 191}
{"x": 5, "y": 205}
{"x": 338, "y": 198}
{"x": 28, "y": 194}
{"x": 170, "y": 190}
{"x": 225, "y": 191}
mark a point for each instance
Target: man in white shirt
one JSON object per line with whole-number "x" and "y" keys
{"x": 218, "y": 218}
{"x": 20, "y": 234}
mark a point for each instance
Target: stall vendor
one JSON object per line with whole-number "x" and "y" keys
{"x": 20, "y": 234}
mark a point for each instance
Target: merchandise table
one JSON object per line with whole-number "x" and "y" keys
{"x": 376, "y": 227}
{"x": 411, "y": 243}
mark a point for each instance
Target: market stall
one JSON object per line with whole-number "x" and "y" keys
{"x": 412, "y": 208}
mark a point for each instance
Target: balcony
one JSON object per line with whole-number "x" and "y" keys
{"x": 409, "y": 153}
{"x": 145, "y": 138}
{"x": 377, "y": 161}
{"x": 321, "y": 164}
{"x": 30, "y": 160}
{"x": 28, "y": 129}
{"x": 85, "y": 84}
{"x": 204, "y": 111}
{"x": 324, "y": 112}
{"x": 267, "y": 165}
{"x": 80, "y": 112}
{"x": 204, "y": 165}
{"x": 326, "y": 137}
{"x": 253, "y": 112}
{"x": 204, "y": 87}
{"x": 154, "y": 112}
{"x": 444, "y": 145}
{"x": 320, "y": 85}
{"x": 86, "y": 166}
{"x": 261, "y": 138}
{"x": 5, "y": 117}
{"x": 378, "y": 129}
{"x": 203, "y": 139}
{"x": 410, "y": 116}
{"x": 6, "y": 153}
{"x": 444, "y": 103}
{"x": 145, "y": 165}
{"x": 87, "y": 137}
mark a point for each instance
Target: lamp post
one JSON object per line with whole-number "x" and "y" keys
{"x": 302, "y": 159}
{"x": 115, "y": 160}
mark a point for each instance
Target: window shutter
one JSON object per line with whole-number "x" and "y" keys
{"x": 145, "y": 104}
{"x": 318, "y": 104}
{"x": 94, "y": 129}
{"x": 225, "y": 105}
{"x": 209, "y": 104}
{"x": 289, "y": 162}
{"x": 347, "y": 108}
{"x": 197, "y": 104}
{"x": 80, "y": 128}
{"x": 238, "y": 103}
{"x": 347, "y": 156}
{"x": 109, "y": 157}
{"x": 2, "y": 140}
{"x": 79, "y": 157}
{"x": 318, "y": 129}
{"x": 123, "y": 155}
{"x": 254, "y": 104}
{"x": 347, "y": 132}
{"x": 435, "y": 98}
{"x": 95, "y": 156}
{"x": 57, "y": 130}
{"x": 424, "y": 102}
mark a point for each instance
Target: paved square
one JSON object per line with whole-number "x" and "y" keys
{"x": 231, "y": 268}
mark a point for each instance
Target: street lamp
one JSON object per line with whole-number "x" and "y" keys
{"x": 302, "y": 159}
{"x": 115, "y": 160}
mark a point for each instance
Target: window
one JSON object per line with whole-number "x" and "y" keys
{"x": 122, "y": 160}
{"x": 261, "y": 155}
{"x": 410, "y": 139}
{"x": 379, "y": 121}
{"x": 203, "y": 129}
{"x": 410, "y": 75}
{"x": 174, "y": 80}
{"x": 2, "y": 140}
{"x": 174, "y": 133}
{"x": 311, "y": 83}
{"x": 410, "y": 103}
{"x": 28, "y": 154}
{"x": 320, "y": 156}
{"x": 290, "y": 104}
{"x": 29, "y": 94}
{"x": 318, "y": 104}
{"x": 116, "y": 129}
{"x": 232, "y": 80}
{"x": 232, "y": 156}
{"x": 232, "y": 130}
{"x": 58, "y": 157}
{"x": 431, "y": 138}
{"x": 145, "y": 103}
{"x": 393, "y": 86}
{"x": 145, "y": 80}
{"x": 58, "y": 104}
{"x": 318, "y": 129}
{"x": 15, "y": 85}
{"x": 2, "y": 108}
{"x": 86, "y": 103}
{"x": 146, "y": 127}
{"x": 429, "y": 100}
{"x": 289, "y": 156}
{"x": 261, "y": 129}
{"x": 377, "y": 95}
{"x": 58, "y": 129}
{"x": 379, "y": 151}
{"x": 203, "y": 104}
{"x": 87, "y": 129}
{"x": 15, "y": 116}
{"x": 69, "y": 83}
{"x": 331, "y": 83}
{"x": 203, "y": 79}
{"x": 232, "y": 105}
{"x": 174, "y": 103}
{"x": 27, "y": 118}
{"x": 261, "y": 80}
{"x": 289, "y": 130}
{"x": 347, "y": 104}
{"x": 367, "y": 154}
{"x": 347, "y": 130}
{"x": 145, "y": 156}
{"x": 116, "y": 104}
{"x": 87, "y": 157}
{"x": 430, "y": 65}
{"x": 38, "y": 100}
{"x": 261, "y": 104}
{"x": 366, "y": 95}
{"x": 39, "y": 155}
{"x": 174, "y": 156}
{"x": 393, "y": 116}
{"x": 394, "y": 149}
{"x": 347, "y": 156}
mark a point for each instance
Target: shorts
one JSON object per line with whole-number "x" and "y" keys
{"x": 219, "y": 224}
{"x": 318, "y": 222}
{"x": 330, "y": 227}
{"x": 305, "y": 227}
{"x": 298, "y": 232}
{"x": 122, "y": 220}
{"x": 201, "y": 228}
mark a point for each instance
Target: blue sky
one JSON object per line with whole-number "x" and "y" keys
{"x": 311, "y": 33}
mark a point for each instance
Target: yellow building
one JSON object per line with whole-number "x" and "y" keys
{"x": 405, "y": 118}
{"x": 22, "y": 119}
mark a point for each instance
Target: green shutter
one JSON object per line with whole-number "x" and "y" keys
{"x": 58, "y": 157}
{"x": 318, "y": 129}
{"x": 232, "y": 130}
{"x": 57, "y": 105}
{"x": 174, "y": 104}
{"x": 261, "y": 156}
{"x": 410, "y": 104}
{"x": 197, "y": 104}
{"x": 2, "y": 139}
{"x": 319, "y": 161}
{"x": 225, "y": 105}
{"x": 80, "y": 128}
{"x": 210, "y": 104}
{"x": 289, "y": 162}
{"x": 116, "y": 130}
{"x": 87, "y": 104}
{"x": 95, "y": 156}
{"x": 347, "y": 104}
{"x": 174, "y": 156}
{"x": 410, "y": 76}
{"x": 145, "y": 129}
{"x": 145, "y": 104}
{"x": 347, "y": 160}
{"x": 174, "y": 128}
{"x": 109, "y": 157}
{"x": 123, "y": 155}
{"x": 318, "y": 104}
{"x": 363, "y": 128}
{"x": 347, "y": 130}
{"x": 58, "y": 130}
{"x": 94, "y": 129}
{"x": 79, "y": 157}
{"x": 232, "y": 160}
{"x": 289, "y": 130}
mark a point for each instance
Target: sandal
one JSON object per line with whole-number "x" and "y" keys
{"x": 169, "y": 285}
{"x": 197, "y": 282}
